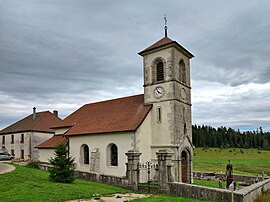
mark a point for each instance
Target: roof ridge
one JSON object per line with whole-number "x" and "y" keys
{"x": 113, "y": 99}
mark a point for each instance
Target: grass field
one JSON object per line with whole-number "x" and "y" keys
{"x": 244, "y": 161}
{"x": 28, "y": 184}
{"x": 212, "y": 183}
{"x": 165, "y": 198}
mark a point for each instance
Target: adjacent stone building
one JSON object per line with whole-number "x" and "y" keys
{"x": 99, "y": 134}
{"x": 21, "y": 138}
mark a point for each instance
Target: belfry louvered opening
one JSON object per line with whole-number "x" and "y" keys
{"x": 160, "y": 71}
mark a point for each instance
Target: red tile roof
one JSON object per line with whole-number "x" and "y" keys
{"x": 159, "y": 43}
{"x": 53, "y": 142}
{"x": 42, "y": 123}
{"x": 166, "y": 41}
{"x": 122, "y": 114}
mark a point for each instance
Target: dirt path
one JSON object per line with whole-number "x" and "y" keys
{"x": 6, "y": 168}
{"x": 114, "y": 198}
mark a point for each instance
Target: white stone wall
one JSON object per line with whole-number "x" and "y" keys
{"x": 124, "y": 142}
{"x": 143, "y": 140}
{"x": 31, "y": 140}
{"x": 45, "y": 154}
{"x": 38, "y": 138}
{"x": 174, "y": 132}
{"x": 61, "y": 131}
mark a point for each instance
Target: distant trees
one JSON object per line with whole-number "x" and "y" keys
{"x": 207, "y": 136}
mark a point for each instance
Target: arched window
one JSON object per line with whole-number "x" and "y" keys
{"x": 113, "y": 155}
{"x": 182, "y": 71}
{"x": 85, "y": 154}
{"x": 160, "y": 71}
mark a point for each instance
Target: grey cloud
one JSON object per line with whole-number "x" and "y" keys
{"x": 238, "y": 49}
{"x": 63, "y": 54}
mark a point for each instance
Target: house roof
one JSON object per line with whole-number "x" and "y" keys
{"x": 42, "y": 123}
{"x": 117, "y": 115}
{"x": 163, "y": 42}
{"x": 53, "y": 142}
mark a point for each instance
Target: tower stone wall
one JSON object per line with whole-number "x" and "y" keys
{"x": 171, "y": 121}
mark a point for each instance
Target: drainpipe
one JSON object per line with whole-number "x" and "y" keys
{"x": 30, "y": 145}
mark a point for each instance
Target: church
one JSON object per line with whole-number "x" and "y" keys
{"x": 100, "y": 134}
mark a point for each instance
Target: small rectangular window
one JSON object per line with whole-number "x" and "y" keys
{"x": 22, "y": 154}
{"x": 3, "y": 139}
{"x": 159, "y": 114}
{"x": 22, "y": 138}
{"x": 12, "y": 139}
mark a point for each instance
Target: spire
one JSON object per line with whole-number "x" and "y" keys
{"x": 165, "y": 27}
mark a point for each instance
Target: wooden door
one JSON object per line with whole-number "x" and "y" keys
{"x": 184, "y": 166}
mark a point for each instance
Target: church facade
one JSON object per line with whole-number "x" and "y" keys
{"x": 99, "y": 134}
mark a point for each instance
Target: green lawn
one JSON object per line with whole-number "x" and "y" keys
{"x": 244, "y": 161}
{"x": 212, "y": 183}
{"x": 165, "y": 198}
{"x": 27, "y": 184}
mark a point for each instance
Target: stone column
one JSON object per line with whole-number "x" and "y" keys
{"x": 165, "y": 169}
{"x": 133, "y": 169}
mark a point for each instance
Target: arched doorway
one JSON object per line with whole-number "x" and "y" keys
{"x": 184, "y": 166}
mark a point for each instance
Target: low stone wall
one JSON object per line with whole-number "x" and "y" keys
{"x": 250, "y": 193}
{"x": 243, "y": 178}
{"x": 106, "y": 179}
{"x": 246, "y": 194}
{"x": 201, "y": 192}
{"x": 45, "y": 167}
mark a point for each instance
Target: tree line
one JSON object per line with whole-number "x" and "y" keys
{"x": 207, "y": 136}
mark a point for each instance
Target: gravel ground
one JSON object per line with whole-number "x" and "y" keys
{"x": 114, "y": 198}
{"x": 5, "y": 168}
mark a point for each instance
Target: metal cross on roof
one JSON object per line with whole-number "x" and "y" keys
{"x": 165, "y": 27}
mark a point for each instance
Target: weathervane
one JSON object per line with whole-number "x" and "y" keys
{"x": 165, "y": 27}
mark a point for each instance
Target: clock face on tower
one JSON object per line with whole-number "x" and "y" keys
{"x": 158, "y": 92}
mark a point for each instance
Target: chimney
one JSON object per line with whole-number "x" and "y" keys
{"x": 55, "y": 112}
{"x": 34, "y": 113}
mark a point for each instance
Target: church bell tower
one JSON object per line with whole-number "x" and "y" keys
{"x": 167, "y": 87}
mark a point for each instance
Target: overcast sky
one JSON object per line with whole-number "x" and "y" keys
{"x": 66, "y": 53}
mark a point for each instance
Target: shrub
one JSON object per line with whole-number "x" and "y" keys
{"x": 34, "y": 164}
{"x": 62, "y": 170}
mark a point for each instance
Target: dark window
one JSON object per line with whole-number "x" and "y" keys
{"x": 182, "y": 71}
{"x": 3, "y": 139}
{"x": 12, "y": 152}
{"x": 22, "y": 154}
{"x": 86, "y": 154}
{"x": 159, "y": 114}
{"x": 22, "y": 138}
{"x": 114, "y": 155}
{"x": 160, "y": 71}
{"x": 12, "y": 139}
